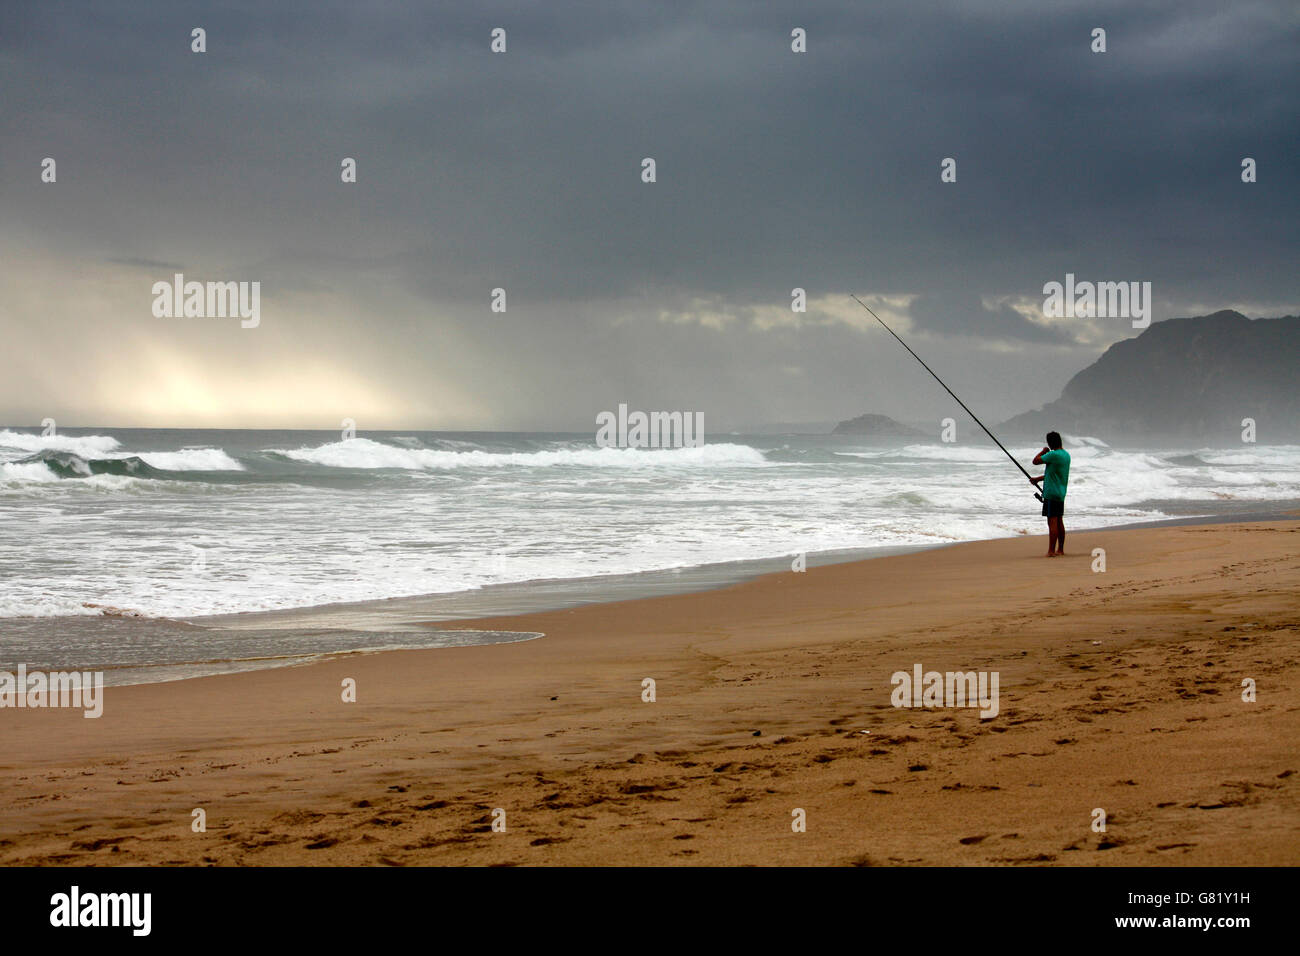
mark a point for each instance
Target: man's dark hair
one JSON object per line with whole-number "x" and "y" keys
{"x": 1054, "y": 440}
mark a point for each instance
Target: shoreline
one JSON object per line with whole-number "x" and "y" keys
{"x": 1119, "y": 690}
{"x": 413, "y": 615}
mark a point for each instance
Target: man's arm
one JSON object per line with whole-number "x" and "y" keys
{"x": 1038, "y": 459}
{"x": 1038, "y": 479}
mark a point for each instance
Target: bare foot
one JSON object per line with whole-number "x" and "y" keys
{"x": 1051, "y": 554}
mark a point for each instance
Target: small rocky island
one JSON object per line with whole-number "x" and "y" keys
{"x": 881, "y": 426}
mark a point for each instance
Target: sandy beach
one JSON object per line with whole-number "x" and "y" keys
{"x": 1119, "y": 691}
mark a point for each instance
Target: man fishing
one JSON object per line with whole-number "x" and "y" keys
{"x": 1056, "y": 475}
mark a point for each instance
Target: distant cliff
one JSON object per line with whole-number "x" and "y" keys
{"x": 1192, "y": 379}
{"x": 877, "y": 425}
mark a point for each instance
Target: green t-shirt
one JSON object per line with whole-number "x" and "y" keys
{"x": 1057, "y": 473}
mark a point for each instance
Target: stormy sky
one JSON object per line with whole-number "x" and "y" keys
{"x": 522, "y": 170}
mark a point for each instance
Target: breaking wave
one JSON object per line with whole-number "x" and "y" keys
{"x": 84, "y": 446}
{"x": 54, "y": 465}
{"x": 364, "y": 453}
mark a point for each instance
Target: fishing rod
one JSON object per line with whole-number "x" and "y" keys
{"x": 953, "y": 394}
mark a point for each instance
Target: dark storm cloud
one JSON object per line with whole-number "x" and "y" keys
{"x": 965, "y": 314}
{"x": 154, "y": 265}
{"x": 775, "y": 170}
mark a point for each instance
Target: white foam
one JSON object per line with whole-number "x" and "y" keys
{"x": 87, "y": 446}
{"x": 963, "y": 452}
{"x": 364, "y": 453}
{"x": 969, "y": 453}
{"x": 190, "y": 459}
{"x": 30, "y": 475}
{"x": 28, "y": 471}
{"x": 44, "y": 606}
{"x": 1277, "y": 455}
{"x": 1085, "y": 440}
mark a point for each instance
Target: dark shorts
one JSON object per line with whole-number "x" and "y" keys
{"x": 1053, "y": 509}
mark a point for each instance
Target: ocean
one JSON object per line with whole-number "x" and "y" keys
{"x": 154, "y": 554}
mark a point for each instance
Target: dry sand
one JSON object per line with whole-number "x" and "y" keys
{"x": 1119, "y": 690}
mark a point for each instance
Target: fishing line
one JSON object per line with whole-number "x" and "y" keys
{"x": 953, "y": 394}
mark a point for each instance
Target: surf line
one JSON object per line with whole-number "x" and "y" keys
{"x": 1028, "y": 477}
